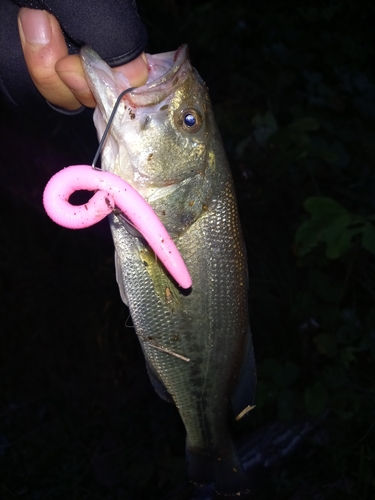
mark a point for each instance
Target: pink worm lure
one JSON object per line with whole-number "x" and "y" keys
{"x": 111, "y": 192}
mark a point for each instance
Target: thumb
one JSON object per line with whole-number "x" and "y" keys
{"x": 43, "y": 45}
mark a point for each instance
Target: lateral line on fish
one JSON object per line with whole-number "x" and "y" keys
{"x": 164, "y": 349}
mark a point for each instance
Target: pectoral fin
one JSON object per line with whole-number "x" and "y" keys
{"x": 120, "y": 280}
{"x": 158, "y": 385}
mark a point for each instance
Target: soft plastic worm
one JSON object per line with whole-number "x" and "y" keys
{"x": 111, "y": 192}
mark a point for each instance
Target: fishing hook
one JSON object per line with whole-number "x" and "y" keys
{"x": 108, "y": 126}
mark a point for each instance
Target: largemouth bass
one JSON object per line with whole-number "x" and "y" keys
{"x": 197, "y": 343}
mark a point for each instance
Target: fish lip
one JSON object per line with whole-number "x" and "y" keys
{"x": 153, "y": 91}
{"x": 181, "y": 55}
{"x": 159, "y": 89}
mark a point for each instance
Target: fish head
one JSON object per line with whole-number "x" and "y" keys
{"x": 160, "y": 133}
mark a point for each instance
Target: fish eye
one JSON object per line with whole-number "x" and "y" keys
{"x": 191, "y": 120}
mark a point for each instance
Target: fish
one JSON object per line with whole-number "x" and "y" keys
{"x": 197, "y": 343}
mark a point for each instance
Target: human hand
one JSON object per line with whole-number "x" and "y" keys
{"x": 58, "y": 76}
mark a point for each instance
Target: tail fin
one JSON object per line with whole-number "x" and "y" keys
{"x": 223, "y": 468}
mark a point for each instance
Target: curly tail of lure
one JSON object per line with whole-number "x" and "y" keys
{"x": 111, "y": 192}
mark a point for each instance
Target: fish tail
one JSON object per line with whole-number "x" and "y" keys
{"x": 223, "y": 468}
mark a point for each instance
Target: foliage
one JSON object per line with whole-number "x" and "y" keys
{"x": 332, "y": 224}
{"x": 293, "y": 90}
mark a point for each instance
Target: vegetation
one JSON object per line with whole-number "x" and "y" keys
{"x": 294, "y": 94}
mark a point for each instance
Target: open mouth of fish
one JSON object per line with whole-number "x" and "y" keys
{"x": 166, "y": 71}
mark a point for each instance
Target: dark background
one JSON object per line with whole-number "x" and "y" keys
{"x": 292, "y": 85}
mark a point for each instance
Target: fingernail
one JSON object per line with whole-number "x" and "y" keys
{"x": 35, "y": 26}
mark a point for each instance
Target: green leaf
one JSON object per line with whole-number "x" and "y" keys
{"x": 286, "y": 404}
{"x": 319, "y": 147}
{"x": 329, "y": 314}
{"x": 264, "y": 126}
{"x": 268, "y": 368}
{"x": 325, "y": 344}
{"x": 265, "y": 393}
{"x": 315, "y": 398}
{"x": 281, "y": 374}
{"x": 304, "y": 125}
{"x": 300, "y": 138}
{"x": 347, "y": 356}
{"x": 368, "y": 238}
{"x": 326, "y": 155}
{"x": 345, "y": 403}
{"x": 335, "y": 377}
{"x": 288, "y": 374}
{"x": 348, "y": 334}
{"x": 328, "y": 223}
{"x": 323, "y": 285}
{"x": 339, "y": 244}
{"x": 321, "y": 205}
{"x": 287, "y": 156}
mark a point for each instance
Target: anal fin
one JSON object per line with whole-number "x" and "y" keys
{"x": 244, "y": 394}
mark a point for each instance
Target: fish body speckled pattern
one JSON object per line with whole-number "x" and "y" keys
{"x": 197, "y": 343}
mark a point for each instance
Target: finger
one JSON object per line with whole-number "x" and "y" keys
{"x": 71, "y": 73}
{"x": 43, "y": 45}
{"x": 135, "y": 71}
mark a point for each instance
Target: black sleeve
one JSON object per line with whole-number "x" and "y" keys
{"x": 111, "y": 27}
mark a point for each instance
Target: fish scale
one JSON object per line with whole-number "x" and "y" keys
{"x": 213, "y": 294}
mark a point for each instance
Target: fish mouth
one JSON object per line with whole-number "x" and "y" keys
{"x": 166, "y": 72}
